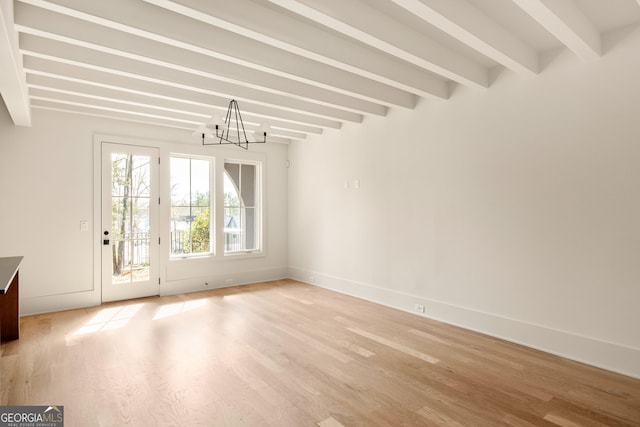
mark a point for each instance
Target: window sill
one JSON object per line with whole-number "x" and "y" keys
{"x": 208, "y": 255}
{"x": 243, "y": 255}
{"x": 206, "y": 258}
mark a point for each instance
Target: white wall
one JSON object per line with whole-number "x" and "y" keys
{"x": 47, "y": 188}
{"x": 514, "y": 210}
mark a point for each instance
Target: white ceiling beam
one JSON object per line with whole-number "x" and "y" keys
{"x": 95, "y": 59}
{"x": 13, "y": 87}
{"x": 113, "y": 105}
{"x": 36, "y": 81}
{"x": 466, "y": 23}
{"x": 44, "y": 23}
{"x": 366, "y": 24}
{"x": 265, "y": 25}
{"x": 181, "y": 31}
{"x": 61, "y": 71}
{"x": 94, "y": 112}
{"x": 564, "y": 20}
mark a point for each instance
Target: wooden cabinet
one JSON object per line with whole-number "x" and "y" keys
{"x": 9, "y": 302}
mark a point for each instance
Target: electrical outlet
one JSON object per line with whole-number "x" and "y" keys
{"x": 419, "y": 308}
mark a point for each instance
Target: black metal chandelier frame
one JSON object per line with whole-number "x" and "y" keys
{"x": 225, "y": 134}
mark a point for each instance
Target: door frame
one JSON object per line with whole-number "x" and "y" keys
{"x": 98, "y": 141}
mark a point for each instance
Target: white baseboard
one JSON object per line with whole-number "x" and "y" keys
{"x": 214, "y": 281}
{"x": 60, "y": 302}
{"x": 610, "y": 356}
{"x": 70, "y": 301}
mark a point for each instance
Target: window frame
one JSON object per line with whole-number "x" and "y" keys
{"x": 259, "y": 210}
{"x": 212, "y": 207}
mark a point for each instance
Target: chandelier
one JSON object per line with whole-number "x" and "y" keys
{"x": 231, "y": 130}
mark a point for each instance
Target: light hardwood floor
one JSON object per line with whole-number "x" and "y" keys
{"x": 289, "y": 354}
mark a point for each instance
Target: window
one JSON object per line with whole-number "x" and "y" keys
{"x": 241, "y": 207}
{"x": 190, "y": 206}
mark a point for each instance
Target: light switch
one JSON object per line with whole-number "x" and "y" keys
{"x": 84, "y": 225}
{"x": 356, "y": 184}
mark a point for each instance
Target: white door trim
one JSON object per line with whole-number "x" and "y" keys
{"x": 98, "y": 141}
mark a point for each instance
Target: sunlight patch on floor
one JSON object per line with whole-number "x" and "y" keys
{"x": 173, "y": 309}
{"x": 109, "y": 318}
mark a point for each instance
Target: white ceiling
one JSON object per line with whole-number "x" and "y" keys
{"x": 302, "y": 66}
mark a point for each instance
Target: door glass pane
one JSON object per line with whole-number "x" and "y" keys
{"x": 140, "y": 217}
{"x": 119, "y": 173}
{"x": 140, "y": 185}
{"x": 121, "y": 265}
{"x": 118, "y": 212}
{"x": 130, "y": 225}
{"x": 140, "y": 265}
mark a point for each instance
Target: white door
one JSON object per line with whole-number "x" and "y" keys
{"x": 130, "y": 237}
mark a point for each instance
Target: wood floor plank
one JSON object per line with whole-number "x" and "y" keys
{"x": 395, "y": 345}
{"x": 330, "y": 422}
{"x": 288, "y": 354}
{"x": 438, "y": 418}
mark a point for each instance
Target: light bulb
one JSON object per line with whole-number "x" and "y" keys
{"x": 215, "y": 122}
{"x": 262, "y": 131}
